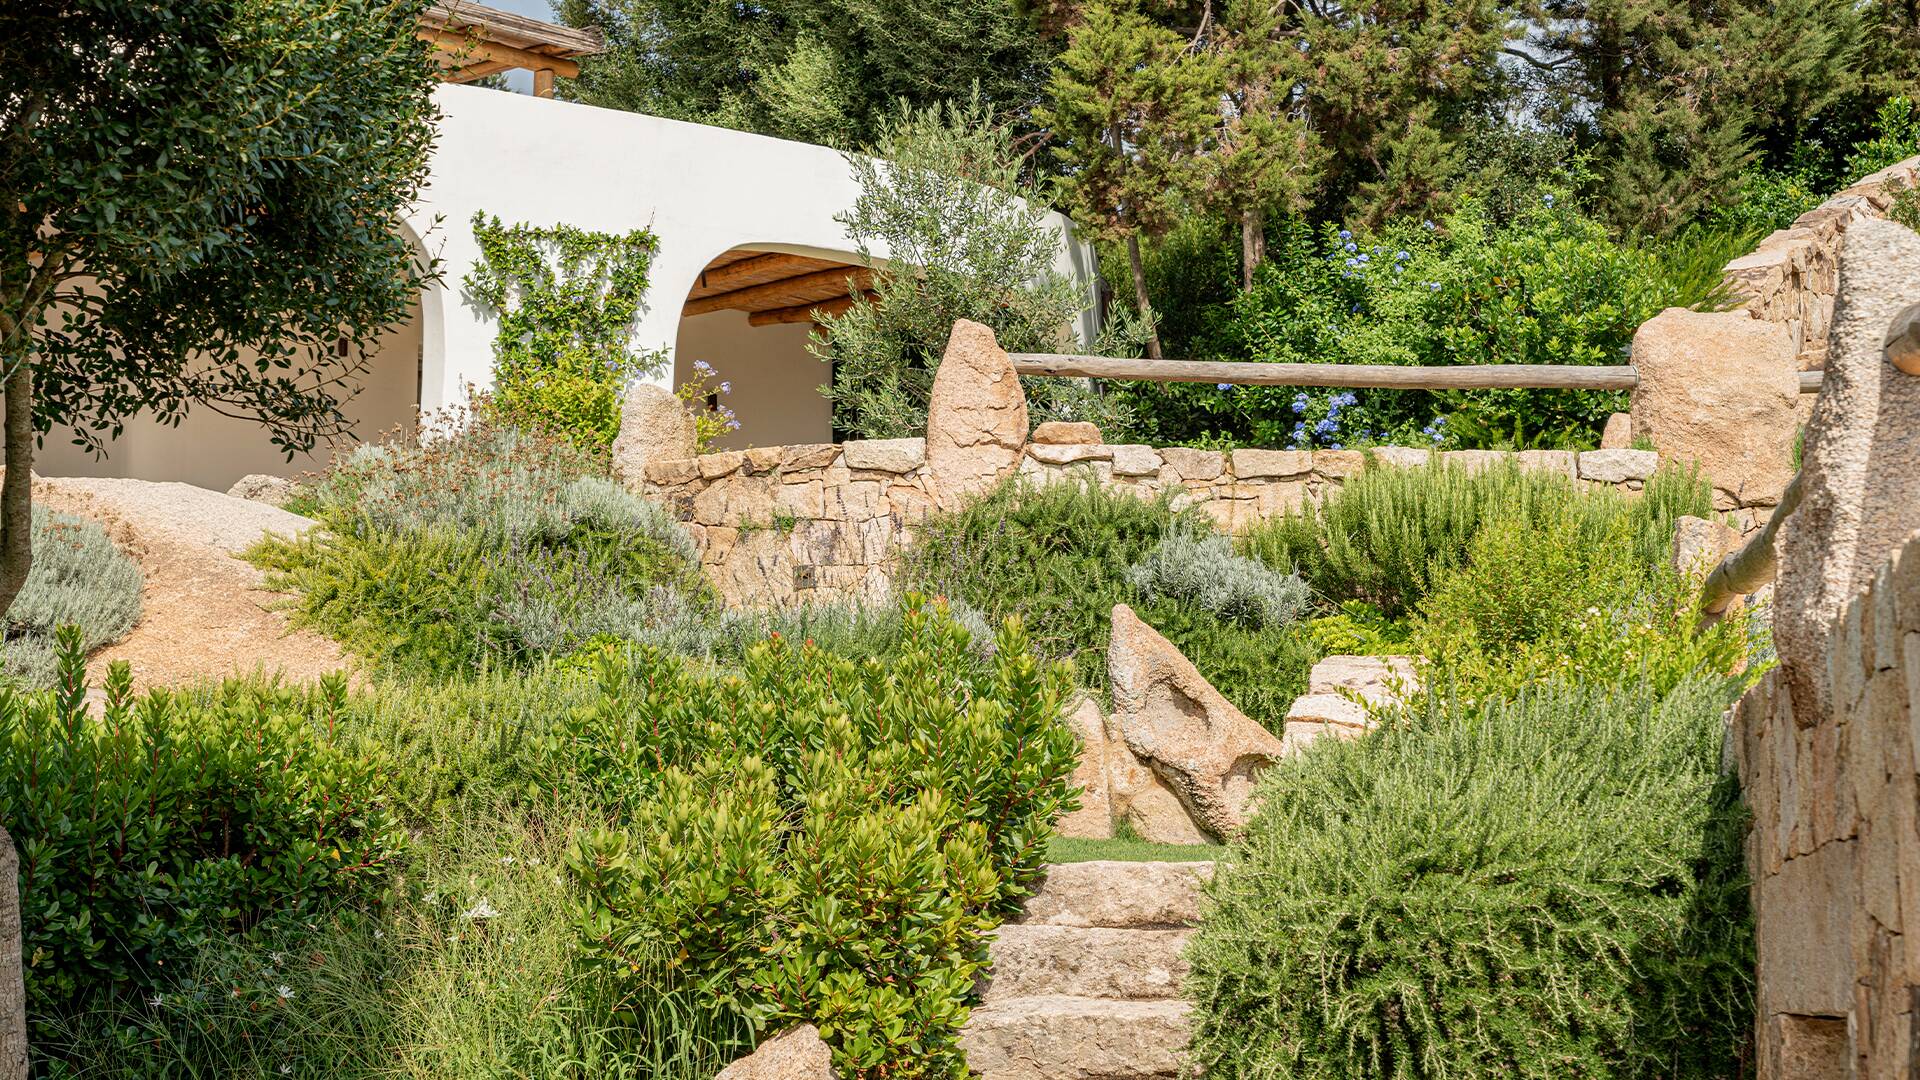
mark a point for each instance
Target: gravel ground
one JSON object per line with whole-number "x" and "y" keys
{"x": 204, "y": 612}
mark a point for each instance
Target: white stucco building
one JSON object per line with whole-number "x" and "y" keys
{"x": 716, "y": 199}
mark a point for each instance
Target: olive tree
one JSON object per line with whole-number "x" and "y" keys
{"x": 197, "y": 208}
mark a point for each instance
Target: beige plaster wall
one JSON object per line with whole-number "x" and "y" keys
{"x": 212, "y": 451}
{"x": 776, "y": 381}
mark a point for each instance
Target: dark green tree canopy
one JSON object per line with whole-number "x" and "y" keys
{"x": 825, "y": 71}
{"x": 198, "y": 202}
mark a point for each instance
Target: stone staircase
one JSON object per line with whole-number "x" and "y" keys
{"x": 1085, "y": 985}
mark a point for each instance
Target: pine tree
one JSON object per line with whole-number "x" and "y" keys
{"x": 1134, "y": 106}
{"x": 1676, "y": 98}
{"x": 1394, "y": 87}
{"x": 1268, "y": 156}
{"x": 826, "y": 71}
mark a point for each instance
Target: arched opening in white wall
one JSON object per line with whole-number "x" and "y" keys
{"x": 212, "y": 450}
{"x": 748, "y": 317}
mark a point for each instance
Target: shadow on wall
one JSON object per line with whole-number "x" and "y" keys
{"x": 212, "y": 451}
{"x": 749, "y": 316}
{"x": 209, "y": 450}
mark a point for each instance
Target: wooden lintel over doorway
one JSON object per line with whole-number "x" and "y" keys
{"x": 775, "y": 287}
{"x": 472, "y": 41}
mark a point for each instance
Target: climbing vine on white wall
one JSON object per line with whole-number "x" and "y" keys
{"x": 567, "y": 301}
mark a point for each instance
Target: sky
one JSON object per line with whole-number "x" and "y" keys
{"x": 522, "y": 81}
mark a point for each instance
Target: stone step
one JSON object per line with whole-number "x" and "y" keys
{"x": 1060, "y": 1037}
{"x": 1086, "y": 961}
{"x": 1126, "y": 895}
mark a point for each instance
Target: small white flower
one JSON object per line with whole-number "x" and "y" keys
{"x": 378, "y": 934}
{"x": 278, "y": 958}
{"x": 286, "y": 1070}
{"x": 506, "y": 860}
{"x": 482, "y": 909}
{"x": 157, "y": 1000}
{"x": 283, "y": 992}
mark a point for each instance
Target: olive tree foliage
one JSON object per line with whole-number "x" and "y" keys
{"x": 197, "y": 200}
{"x": 945, "y": 196}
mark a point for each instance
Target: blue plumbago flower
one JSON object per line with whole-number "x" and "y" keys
{"x": 1433, "y": 286}
{"x": 1355, "y": 310}
{"x": 1402, "y": 254}
{"x": 1223, "y": 386}
{"x": 1299, "y": 403}
{"x": 1428, "y": 225}
{"x": 1353, "y": 262}
{"x": 1365, "y": 257}
{"x": 1346, "y": 398}
{"x": 726, "y": 388}
{"x": 1351, "y": 246}
{"x": 1345, "y": 235}
{"x": 1299, "y": 429}
{"x": 1548, "y": 199}
{"x": 733, "y": 425}
{"x": 1326, "y": 427}
{"x": 703, "y": 367}
{"x": 1333, "y": 446}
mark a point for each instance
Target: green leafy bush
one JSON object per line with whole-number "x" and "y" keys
{"x": 567, "y": 300}
{"x": 160, "y": 824}
{"x": 819, "y": 838}
{"x": 1061, "y": 556}
{"x": 469, "y": 969}
{"x": 1547, "y": 886}
{"x": 1389, "y": 535}
{"x": 492, "y": 545}
{"x": 1549, "y": 286}
{"x": 79, "y": 579}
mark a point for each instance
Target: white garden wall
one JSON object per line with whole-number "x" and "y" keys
{"x": 702, "y": 190}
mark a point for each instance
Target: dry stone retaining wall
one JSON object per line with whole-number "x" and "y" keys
{"x": 1792, "y": 278}
{"x": 1835, "y": 851}
{"x": 789, "y": 523}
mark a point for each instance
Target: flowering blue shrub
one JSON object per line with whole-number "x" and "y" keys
{"x": 1550, "y": 286}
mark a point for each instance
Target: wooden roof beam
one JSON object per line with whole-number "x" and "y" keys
{"x": 754, "y": 270}
{"x": 781, "y": 293}
{"x": 512, "y": 28}
{"x": 474, "y": 50}
{"x": 804, "y": 313}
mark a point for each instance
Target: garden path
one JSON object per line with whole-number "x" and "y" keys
{"x": 204, "y": 612}
{"x": 1086, "y": 983}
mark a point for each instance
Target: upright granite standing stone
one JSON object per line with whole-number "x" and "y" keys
{"x": 1861, "y": 461}
{"x": 976, "y": 419}
{"x": 1719, "y": 390}
{"x": 1173, "y": 720}
{"x": 654, "y": 426}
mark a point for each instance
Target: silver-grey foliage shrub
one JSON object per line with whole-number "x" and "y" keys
{"x": 1203, "y": 570}
{"x": 78, "y": 577}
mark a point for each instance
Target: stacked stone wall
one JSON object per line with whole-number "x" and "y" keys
{"x": 788, "y": 523}
{"x": 1792, "y": 277}
{"x": 1835, "y": 850}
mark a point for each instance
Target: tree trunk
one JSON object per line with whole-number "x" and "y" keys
{"x": 13, "y": 990}
{"x": 1140, "y": 301}
{"x": 1253, "y": 245}
{"x": 16, "y": 490}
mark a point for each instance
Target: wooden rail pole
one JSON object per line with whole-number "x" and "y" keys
{"x": 1239, "y": 373}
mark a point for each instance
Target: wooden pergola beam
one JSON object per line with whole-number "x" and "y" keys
{"x": 783, "y": 293}
{"x": 804, "y": 313}
{"x": 475, "y": 71}
{"x": 474, "y": 49}
{"x": 757, "y": 270}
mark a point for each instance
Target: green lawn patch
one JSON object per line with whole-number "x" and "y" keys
{"x": 1064, "y": 849}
